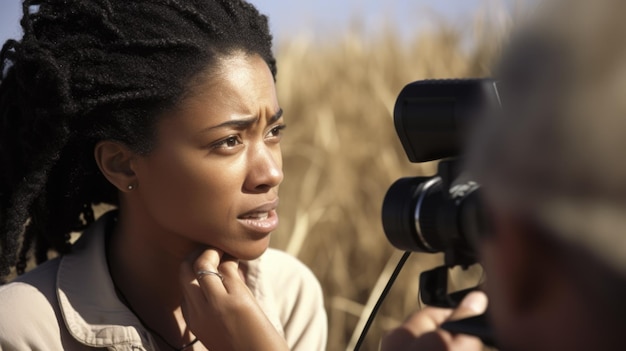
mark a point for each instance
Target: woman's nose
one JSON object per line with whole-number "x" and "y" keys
{"x": 265, "y": 170}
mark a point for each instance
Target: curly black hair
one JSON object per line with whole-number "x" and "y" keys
{"x": 91, "y": 70}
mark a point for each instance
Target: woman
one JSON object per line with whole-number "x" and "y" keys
{"x": 166, "y": 110}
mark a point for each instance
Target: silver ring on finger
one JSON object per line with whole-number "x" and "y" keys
{"x": 201, "y": 273}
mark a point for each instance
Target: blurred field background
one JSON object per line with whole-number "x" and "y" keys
{"x": 341, "y": 154}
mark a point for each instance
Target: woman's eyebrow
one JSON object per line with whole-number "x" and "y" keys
{"x": 276, "y": 116}
{"x": 244, "y": 123}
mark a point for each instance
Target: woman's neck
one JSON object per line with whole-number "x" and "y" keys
{"x": 144, "y": 263}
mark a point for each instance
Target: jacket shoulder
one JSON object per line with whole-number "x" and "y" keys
{"x": 281, "y": 265}
{"x": 29, "y": 312}
{"x": 299, "y": 298}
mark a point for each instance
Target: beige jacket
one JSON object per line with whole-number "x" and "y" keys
{"x": 69, "y": 303}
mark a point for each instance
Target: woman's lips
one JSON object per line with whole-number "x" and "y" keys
{"x": 262, "y": 222}
{"x": 262, "y": 219}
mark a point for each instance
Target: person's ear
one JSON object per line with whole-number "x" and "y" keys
{"x": 526, "y": 283}
{"x": 527, "y": 266}
{"x": 115, "y": 162}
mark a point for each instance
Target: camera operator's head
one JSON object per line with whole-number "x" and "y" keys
{"x": 553, "y": 170}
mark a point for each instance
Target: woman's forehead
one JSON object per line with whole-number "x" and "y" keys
{"x": 242, "y": 87}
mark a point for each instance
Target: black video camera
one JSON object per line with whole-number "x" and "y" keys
{"x": 442, "y": 213}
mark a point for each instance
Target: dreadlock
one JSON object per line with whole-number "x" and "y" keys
{"x": 86, "y": 71}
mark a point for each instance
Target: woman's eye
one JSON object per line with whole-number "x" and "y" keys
{"x": 229, "y": 142}
{"x": 276, "y": 131}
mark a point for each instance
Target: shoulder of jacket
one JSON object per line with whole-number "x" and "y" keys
{"x": 287, "y": 273}
{"x": 28, "y": 316}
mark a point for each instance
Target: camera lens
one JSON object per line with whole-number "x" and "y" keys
{"x": 407, "y": 216}
{"x": 420, "y": 214}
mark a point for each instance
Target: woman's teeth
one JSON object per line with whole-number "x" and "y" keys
{"x": 259, "y": 216}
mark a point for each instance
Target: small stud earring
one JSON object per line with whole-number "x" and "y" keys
{"x": 130, "y": 187}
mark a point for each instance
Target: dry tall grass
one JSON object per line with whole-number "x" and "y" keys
{"x": 341, "y": 154}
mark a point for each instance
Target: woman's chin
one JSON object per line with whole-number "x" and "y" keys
{"x": 248, "y": 252}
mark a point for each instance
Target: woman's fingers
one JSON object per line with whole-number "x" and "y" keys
{"x": 201, "y": 277}
{"x": 202, "y": 260}
{"x": 234, "y": 282}
{"x": 208, "y": 273}
{"x": 213, "y": 274}
{"x": 206, "y": 259}
{"x": 217, "y": 311}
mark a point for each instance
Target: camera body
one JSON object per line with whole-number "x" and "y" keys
{"x": 433, "y": 117}
{"x": 442, "y": 213}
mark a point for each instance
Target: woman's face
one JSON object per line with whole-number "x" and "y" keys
{"x": 213, "y": 177}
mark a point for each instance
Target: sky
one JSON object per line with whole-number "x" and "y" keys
{"x": 321, "y": 18}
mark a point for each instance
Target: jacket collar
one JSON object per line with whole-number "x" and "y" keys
{"x": 91, "y": 309}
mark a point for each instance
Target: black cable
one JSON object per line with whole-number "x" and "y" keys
{"x": 392, "y": 279}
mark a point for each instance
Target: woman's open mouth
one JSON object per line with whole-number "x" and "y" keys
{"x": 262, "y": 219}
{"x": 262, "y": 222}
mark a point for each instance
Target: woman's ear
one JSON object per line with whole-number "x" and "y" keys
{"x": 114, "y": 160}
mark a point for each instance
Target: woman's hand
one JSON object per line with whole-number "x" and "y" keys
{"x": 421, "y": 331}
{"x": 224, "y": 314}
